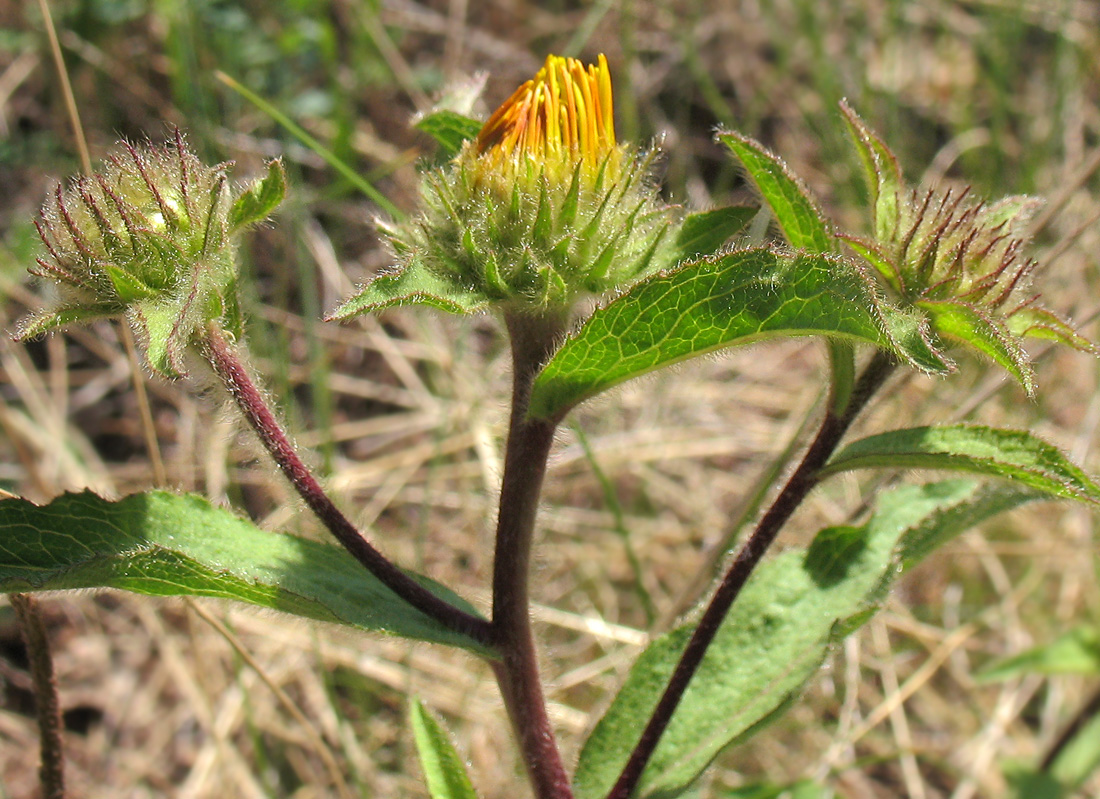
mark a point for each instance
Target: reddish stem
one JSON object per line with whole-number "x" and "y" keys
{"x": 233, "y": 373}
{"x": 533, "y": 339}
{"x": 798, "y": 486}
{"x": 51, "y": 770}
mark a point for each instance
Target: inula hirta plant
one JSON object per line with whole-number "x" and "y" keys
{"x": 536, "y": 209}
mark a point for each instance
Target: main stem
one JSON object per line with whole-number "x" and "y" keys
{"x": 533, "y": 339}
{"x": 798, "y": 486}
{"x": 228, "y": 366}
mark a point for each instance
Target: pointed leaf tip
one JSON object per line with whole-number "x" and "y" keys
{"x": 796, "y": 211}
{"x": 413, "y": 285}
{"x": 257, "y": 202}
{"x": 444, "y": 771}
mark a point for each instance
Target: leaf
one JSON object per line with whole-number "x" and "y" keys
{"x": 796, "y": 212}
{"x": 39, "y": 323}
{"x": 1033, "y": 321}
{"x": 1009, "y": 454}
{"x": 444, "y": 771}
{"x": 164, "y": 335}
{"x": 773, "y": 640}
{"x": 449, "y": 128}
{"x": 1029, "y": 783}
{"x": 974, "y": 328}
{"x": 873, "y": 255}
{"x": 773, "y": 637}
{"x": 704, "y": 232}
{"x": 168, "y": 545}
{"x": 414, "y": 285}
{"x": 1074, "y": 652}
{"x": 728, "y": 300}
{"x": 260, "y": 199}
{"x": 935, "y": 513}
{"x": 1081, "y": 756}
{"x": 881, "y": 169}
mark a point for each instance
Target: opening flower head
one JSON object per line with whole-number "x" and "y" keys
{"x": 542, "y": 207}
{"x": 561, "y": 117}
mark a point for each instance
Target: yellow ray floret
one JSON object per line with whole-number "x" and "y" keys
{"x": 564, "y": 114}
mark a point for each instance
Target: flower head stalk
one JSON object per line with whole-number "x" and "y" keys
{"x": 543, "y": 206}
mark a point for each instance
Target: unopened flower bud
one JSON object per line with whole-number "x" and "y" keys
{"x": 150, "y": 236}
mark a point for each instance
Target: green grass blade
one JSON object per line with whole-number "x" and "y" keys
{"x": 298, "y": 132}
{"x": 1074, "y": 652}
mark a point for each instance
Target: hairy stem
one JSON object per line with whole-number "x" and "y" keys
{"x": 233, "y": 373}
{"x": 533, "y": 339}
{"x": 51, "y": 771}
{"x": 797, "y": 487}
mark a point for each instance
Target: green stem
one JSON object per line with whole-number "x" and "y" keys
{"x": 533, "y": 339}
{"x": 51, "y": 771}
{"x": 232, "y": 371}
{"x": 798, "y": 486}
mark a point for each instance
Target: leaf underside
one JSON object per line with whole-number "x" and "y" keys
{"x": 1008, "y": 454}
{"x": 778, "y": 633}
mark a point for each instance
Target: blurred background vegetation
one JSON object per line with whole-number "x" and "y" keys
{"x": 405, "y": 412}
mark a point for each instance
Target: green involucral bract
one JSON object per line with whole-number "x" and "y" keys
{"x": 150, "y": 236}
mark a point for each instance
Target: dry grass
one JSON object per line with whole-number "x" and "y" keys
{"x": 166, "y": 698}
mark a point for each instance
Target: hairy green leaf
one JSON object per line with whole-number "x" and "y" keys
{"x": 773, "y": 640}
{"x": 796, "y": 212}
{"x": 128, "y": 287}
{"x": 705, "y": 232}
{"x": 414, "y": 285}
{"x": 935, "y": 513}
{"x": 449, "y": 128}
{"x": 1034, "y": 321}
{"x": 728, "y": 300}
{"x": 260, "y": 199}
{"x": 778, "y": 632}
{"x": 167, "y": 544}
{"x": 45, "y": 321}
{"x": 881, "y": 169}
{"x": 444, "y": 771}
{"x": 1009, "y": 454}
